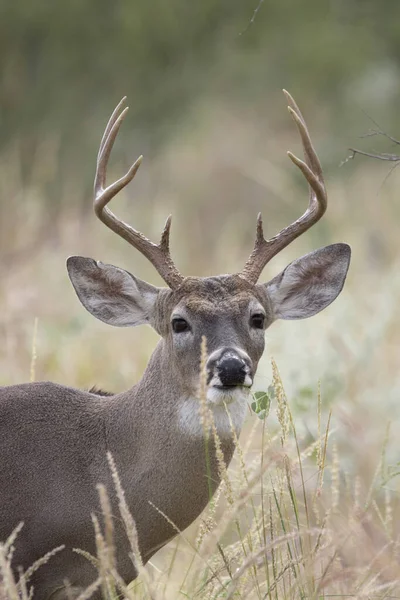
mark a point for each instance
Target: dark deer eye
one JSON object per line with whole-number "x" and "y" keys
{"x": 180, "y": 325}
{"x": 257, "y": 321}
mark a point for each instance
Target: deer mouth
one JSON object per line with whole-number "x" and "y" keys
{"x": 239, "y": 381}
{"x": 230, "y": 388}
{"x": 219, "y": 395}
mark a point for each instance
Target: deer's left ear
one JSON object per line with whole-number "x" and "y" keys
{"x": 310, "y": 283}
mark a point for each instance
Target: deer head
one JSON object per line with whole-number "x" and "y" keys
{"x": 232, "y": 311}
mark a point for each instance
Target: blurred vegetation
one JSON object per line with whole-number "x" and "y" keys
{"x": 64, "y": 65}
{"x": 203, "y": 81}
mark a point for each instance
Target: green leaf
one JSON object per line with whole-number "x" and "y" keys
{"x": 261, "y": 404}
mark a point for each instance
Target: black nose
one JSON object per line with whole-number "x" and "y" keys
{"x": 231, "y": 370}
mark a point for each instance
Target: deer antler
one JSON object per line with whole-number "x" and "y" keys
{"x": 157, "y": 254}
{"x": 264, "y": 250}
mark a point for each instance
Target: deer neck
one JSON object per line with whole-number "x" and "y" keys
{"x": 154, "y": 433}
{"x": 163, "y": 403}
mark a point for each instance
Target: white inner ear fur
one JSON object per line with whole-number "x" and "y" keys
{"x": 111, "y": 294}
{"x": 309, "y": 284}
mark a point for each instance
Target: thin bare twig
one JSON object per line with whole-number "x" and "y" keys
{"x": 381, "y": 156}
{"x": 253, "y": 18}
{"x": 377, "y": 131}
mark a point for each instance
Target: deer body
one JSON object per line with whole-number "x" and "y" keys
{"x": 54, "y": 439}
{"x": 59, "y": 473}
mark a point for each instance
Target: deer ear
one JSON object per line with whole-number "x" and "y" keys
{"x": 111, "y": 294}
{"x": 310, "y": 283}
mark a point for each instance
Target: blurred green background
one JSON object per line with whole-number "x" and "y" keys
{"x": 203, "y": 81}
{"x": 65, "y": 65}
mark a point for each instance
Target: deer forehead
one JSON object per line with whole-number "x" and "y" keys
{"x": 221, "y": 295}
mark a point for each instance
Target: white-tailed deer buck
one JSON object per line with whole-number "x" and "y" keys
{"x": 54, "y": 439}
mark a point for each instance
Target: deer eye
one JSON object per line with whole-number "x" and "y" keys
{"x": 257, "y": 321}
{"x": 180, "y": 325}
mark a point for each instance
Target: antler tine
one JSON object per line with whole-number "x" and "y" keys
{"x": 157, "y": 254}
{"x": 106, "y": 146}
{"x": 264, "y": 250}
{"x": 110, "y": 123}
{"x": 310, "y": 155}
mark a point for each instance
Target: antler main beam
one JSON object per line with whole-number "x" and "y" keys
{"x": 158, "y": 254}
{"x": 264, "y": 250}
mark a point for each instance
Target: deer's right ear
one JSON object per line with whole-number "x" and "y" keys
{"x": 111, "y": 294}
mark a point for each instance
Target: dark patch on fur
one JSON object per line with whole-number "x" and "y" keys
{"x": 99, "y": 392}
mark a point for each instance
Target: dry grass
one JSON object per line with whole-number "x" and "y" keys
{"x": 307, "y": 509}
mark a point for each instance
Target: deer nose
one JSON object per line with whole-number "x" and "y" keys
{"x": 232, "y": 371}
{"x": 229, "y": 369}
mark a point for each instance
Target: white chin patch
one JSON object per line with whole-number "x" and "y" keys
{"x": 219, "y": 396}
{"x": 219, "y": 401}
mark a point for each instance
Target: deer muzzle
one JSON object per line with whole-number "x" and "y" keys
{"x": 229, "y": 368}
